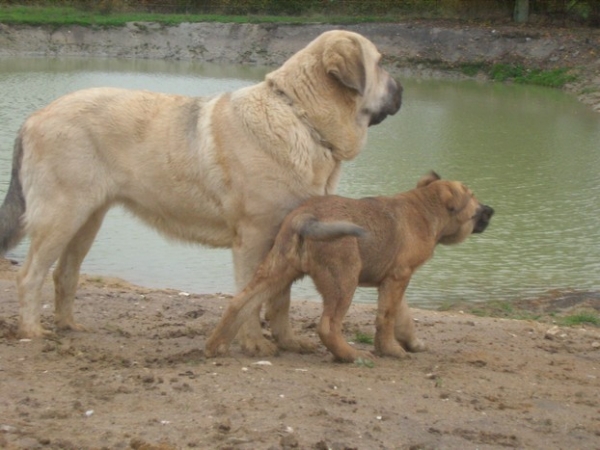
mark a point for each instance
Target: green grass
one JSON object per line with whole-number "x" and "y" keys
{"x": 363, "y": 338}
{"x": 582, "y": 318}
{"x": 543, "y": 312}
{"x": 361, "y": 362}
{"x": 62, "y": 16}
{"x": 472, "y": 69}
{"x": 554, "y": 78}
{"x": 589, "y": 90}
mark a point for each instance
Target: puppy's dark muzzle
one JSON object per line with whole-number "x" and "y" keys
{"x": 482, "y": 218}
{"x": 393, "y": 104}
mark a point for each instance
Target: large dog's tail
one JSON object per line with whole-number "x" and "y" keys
{"x": 307, "y": 225}
{"x": 13, "y": 208}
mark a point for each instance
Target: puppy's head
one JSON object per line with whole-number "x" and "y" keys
{"x": 464, "y": 213}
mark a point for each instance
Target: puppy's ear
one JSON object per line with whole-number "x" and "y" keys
{"x": 454, "y": 196}
{"x": 428, "y": 179}
{"x": 343, "y": 59}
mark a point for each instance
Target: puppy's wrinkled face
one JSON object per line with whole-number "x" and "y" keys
{"x": 466, "y": 215}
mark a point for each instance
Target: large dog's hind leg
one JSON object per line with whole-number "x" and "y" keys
{"x": 66, "y": 273}
{"x": 29, "y": 285}
{"x": 48, "y": 241}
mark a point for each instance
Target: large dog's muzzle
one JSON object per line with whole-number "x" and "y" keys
{"x": 482, "y": 218}
{"x": 392, "y": 106}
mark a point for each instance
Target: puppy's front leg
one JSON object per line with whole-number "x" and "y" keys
{"x": 404, "y": 329}
{"x": 391, "y": 298}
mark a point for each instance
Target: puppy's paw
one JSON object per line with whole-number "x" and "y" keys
{"x": 297, "y": 345}
{"x": 416, "y": 345}
{"x": 352, "y": 355}
{"x": 392, "y": 349}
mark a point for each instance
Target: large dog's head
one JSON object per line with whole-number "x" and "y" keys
{"x": 464, "y": 213}
{"x": 338, "y": 83}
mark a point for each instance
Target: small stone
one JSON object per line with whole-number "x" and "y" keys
{"x": 8, "y": 429}
{"x": 289, "y": 441}
{"x": 262, "y": 363}
{"x": 552, "y": 333}
{"x": 224, "y": 426}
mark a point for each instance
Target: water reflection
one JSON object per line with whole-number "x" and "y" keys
{"x": 532, "y": 153}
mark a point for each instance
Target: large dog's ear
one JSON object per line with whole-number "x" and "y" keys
{"x": 428, "y": 179}
{"x": 343, "y": 59}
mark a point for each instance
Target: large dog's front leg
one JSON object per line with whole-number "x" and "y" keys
{"x": 248, "y": 252}
{"x": 278, "y": 315}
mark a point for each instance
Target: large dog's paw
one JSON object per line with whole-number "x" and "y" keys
{"x": 214, "y": 348}
{"x": 258, "y": 347}
{"x": 32, "y": 332}
{"x": 69, "y": 325}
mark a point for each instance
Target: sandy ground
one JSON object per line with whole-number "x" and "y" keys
{"x": 138, "y": 379}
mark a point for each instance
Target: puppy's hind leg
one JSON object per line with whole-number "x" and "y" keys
{"x": 66, "y": 274}
{"x": 337, "y": 289}
{"x": 278, "y": 316}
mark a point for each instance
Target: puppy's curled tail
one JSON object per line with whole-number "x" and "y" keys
{"x": 13, "y": 208}
{"x": 308, "y": 226}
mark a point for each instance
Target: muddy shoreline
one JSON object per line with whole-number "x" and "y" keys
{"x": 415, "y": 48}
{"x": 137, "y": 379}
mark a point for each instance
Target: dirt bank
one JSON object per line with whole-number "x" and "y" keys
{"x": 415, "y": 48}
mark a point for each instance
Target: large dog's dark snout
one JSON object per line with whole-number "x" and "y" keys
{"x": 482, "y": 218}
{"x": 393, "y": 104}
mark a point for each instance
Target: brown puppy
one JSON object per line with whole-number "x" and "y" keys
{"x": 342, "y": 243}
